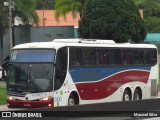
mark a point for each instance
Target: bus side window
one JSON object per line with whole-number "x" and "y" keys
{"x": 75, "y": 57}
{"x": 72, "y": 57}
{"x": 126, "y": 56}
{"x": 138, "y": 57}
{"x": 124, "y": 60}
{"x": 89, "y": 56}
{"x": 61, "y": 67}
{"x": 146, "y": 57}
{"x": 153, "y": 57}
{"x": 102, "y": 56}
{"x": 114, "y": 57}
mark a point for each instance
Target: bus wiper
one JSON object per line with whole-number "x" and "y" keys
{"x": 31, "y": 85}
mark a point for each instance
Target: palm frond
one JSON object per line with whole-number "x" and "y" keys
{"x": 63, "y": 7}
{"x": 27, "y": 11}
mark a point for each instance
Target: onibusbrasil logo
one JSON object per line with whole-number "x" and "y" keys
{"x": 21, "y": 114}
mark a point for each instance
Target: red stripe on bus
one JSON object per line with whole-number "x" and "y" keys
{"x": 106, "y": 87}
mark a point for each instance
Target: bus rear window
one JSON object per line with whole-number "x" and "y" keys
{"x": 32, "y": 55}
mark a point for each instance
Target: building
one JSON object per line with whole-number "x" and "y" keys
{"x": 49, "y": 28}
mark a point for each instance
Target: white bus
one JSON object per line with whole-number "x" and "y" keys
{"x": 80, "y": 71}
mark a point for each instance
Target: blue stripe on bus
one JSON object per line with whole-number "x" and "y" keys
{"x": 15, "y": 93}
{"x": 87, "y": 74}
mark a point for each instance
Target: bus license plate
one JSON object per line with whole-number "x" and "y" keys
{"x": 27, "y": 105}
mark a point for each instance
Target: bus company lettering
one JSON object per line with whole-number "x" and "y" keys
{"x": 15, "y": 114}
{"x": 39, "y": 94}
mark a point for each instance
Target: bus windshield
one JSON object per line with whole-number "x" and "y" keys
{"x": 32, "y": 55}
{"x": 31, "y": 71}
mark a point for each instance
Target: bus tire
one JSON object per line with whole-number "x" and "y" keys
{"x": 72, "y": 100}
{"x": 126, "y": 95}
{"x": 137, "y": 95}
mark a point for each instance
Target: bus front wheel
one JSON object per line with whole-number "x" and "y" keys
{"x": 72, "y": 100}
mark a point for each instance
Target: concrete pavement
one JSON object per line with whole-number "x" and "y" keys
{"x": 5, "y": 108}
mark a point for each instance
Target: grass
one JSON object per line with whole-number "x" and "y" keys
{"x": 3, "y": 96}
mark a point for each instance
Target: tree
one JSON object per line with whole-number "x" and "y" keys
{"x": 153, "y": 24}
{"x": 49, "y": 4}
{"x": 150, "y": 7}
{"x": 3, "y": 14}
{"x": 63, "y": 7}
{"x": 25, "y": 9}
{"x": 151, "y": 14}
{"x": 108, "y": 19}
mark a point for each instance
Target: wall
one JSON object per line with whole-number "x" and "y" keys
{"x": 39, "y": 34}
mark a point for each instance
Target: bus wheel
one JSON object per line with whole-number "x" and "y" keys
{"x": 72, "y": 100}
{"x": 137, "y": 95}
{"x": 126, "y": 96}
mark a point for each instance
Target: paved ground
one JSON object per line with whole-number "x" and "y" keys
{"x": 5, "y": 108}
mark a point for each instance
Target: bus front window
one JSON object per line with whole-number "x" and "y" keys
{"x": 31, "y": 75}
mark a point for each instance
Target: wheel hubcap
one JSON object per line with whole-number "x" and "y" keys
{"x": 71, "y": 102}
{"x": 136, "y": 96}
{"x": 126, "y": 97}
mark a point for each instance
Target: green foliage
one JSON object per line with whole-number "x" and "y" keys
{"x": 44, "y": 4}
{"x": 151, "y": 14}
{"x": 26, "y": 10}
{"x": 153, "y": 24}
{"x": 23, "y": 8}
{"x": 108, "y": 19}
{"x": 150, "y": 7}
{"x": 3, "y": 14}
{"x": 63, "y": 7}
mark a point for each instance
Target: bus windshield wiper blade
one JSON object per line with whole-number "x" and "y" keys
{"x": 31, "y": 85}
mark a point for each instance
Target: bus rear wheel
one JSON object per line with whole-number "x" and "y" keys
{"x": 137, "y": 95}
{"x": 72, "y": 100}
{"x": 126, "y": 96}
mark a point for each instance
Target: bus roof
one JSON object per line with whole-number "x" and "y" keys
{"x": 58, "y": 43}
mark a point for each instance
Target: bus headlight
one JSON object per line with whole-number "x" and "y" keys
{"x": 45, "y": 98}
{"x": 11, "y": 98}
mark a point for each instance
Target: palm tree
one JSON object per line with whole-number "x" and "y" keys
{"x": 3, "y": 14}
{"x": 63, "y": 7}
{"x": 25, "y": 9}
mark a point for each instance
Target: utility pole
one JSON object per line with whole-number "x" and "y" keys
{"x": 45, "y": 1}
{"x": 1, "y": 40}
{"x": 10, "y": 25}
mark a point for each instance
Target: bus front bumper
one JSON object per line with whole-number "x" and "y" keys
{"x": 29, "y": 103}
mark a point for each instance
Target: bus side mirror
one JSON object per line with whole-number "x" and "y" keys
{"x": 5, "y": 63}
{"x": 55, "y": 64}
